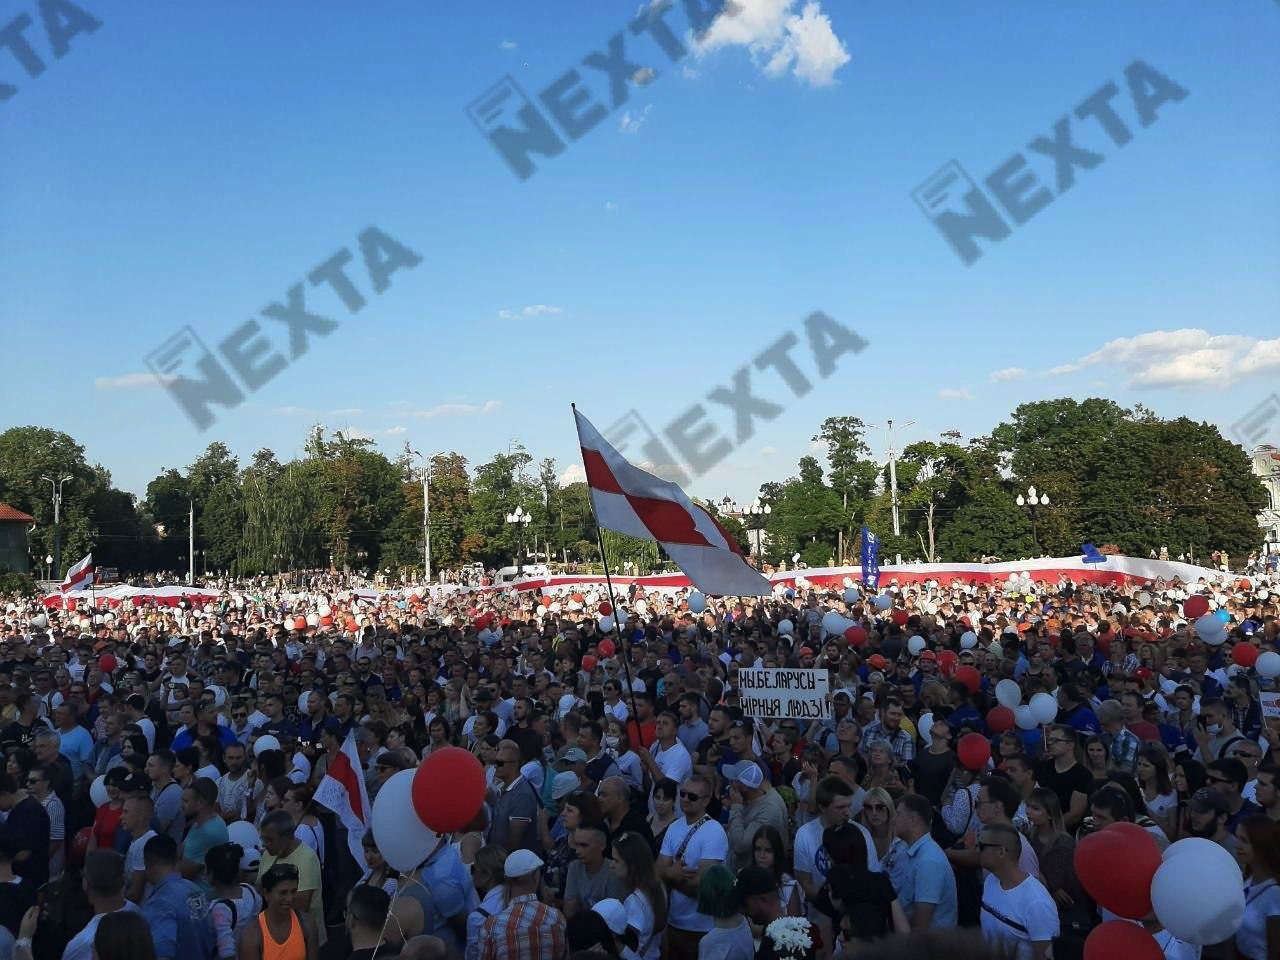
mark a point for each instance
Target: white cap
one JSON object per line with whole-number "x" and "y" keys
{"x": 614, "y": 915}
{"x": 564, "y": 784}
{"x": 521, "y": 863}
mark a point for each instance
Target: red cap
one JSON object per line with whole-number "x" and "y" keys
{"x": 928, "y": 655}
{"x": 805, "y": 652}
{"x": 1130, "y": 632}
{"x": 877, "y": 661}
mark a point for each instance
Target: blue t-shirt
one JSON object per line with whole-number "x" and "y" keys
{"x": 200, "y": 840}
{"x": 930, "y": 880}
{"x": 77, "y": 746}
{"x": 178, "y": 914}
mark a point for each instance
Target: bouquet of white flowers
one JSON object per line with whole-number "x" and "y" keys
{"x": 790, "y": 936}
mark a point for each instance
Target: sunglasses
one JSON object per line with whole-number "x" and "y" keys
{"x": 693, "y": 797}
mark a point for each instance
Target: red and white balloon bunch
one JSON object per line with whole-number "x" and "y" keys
{"x": 416, "y": 808}
{"x": 1194, "y": 890}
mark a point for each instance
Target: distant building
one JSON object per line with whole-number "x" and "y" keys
{"x": 13, "y": 540}
{"x": 1266, "y": 467}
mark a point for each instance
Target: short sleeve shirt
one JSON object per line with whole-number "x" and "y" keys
{"x": 709, "y": 842}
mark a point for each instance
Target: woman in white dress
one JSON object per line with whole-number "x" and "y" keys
{"x": 646, "y": 898}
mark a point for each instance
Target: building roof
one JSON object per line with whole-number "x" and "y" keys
{"x": 9, "y": 514}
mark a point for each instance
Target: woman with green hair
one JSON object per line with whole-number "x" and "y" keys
{"x": 730, "y": 937}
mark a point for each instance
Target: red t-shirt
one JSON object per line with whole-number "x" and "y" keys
{"x": 646, "y": 732}
{"x": 105, "y": 824}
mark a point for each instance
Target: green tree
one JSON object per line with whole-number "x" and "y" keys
{"x": 851, "y": 469}
{"x": 806, "y": 518}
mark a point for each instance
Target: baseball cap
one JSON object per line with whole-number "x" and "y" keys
{"x": 877, "y": 661}
{"x": 521, "y": 863}
{"x": 928, "y": 655}
{"x": 747, "y": 773}
{"x": 573, "y": 755}
{"x": 251, "y": 859}
{"x": 614, "y": 915}
{"x": 1208, "y": 799}
{"x": 135, "y": 783}
{"x": 392, "y": 761}
{"x": 564, "y": 784}
{"x": 753, "y": 881}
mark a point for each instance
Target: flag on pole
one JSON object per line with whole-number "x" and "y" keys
{"x": 343, "y": 791}
{"x": 79, "y": 577}
{"x": 628, "y": 500}
{"x": 870, "y": 558}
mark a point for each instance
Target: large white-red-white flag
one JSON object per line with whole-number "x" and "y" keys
{"x": 628, "y": 500}
{"x": 79, "y": 577}
{"x": 342, "y": 790}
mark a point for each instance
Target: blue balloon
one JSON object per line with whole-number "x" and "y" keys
{"x": 1222, "y": 615}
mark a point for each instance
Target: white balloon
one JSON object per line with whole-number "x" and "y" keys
{"x": 1009, "y": 694}
{"x": 1024, "y": 718}
{"x": 265, "y": 743}
{"x": 1197, "y": 893}
{"x": 884, "y": 602}
{"x": 785, "y": 628}
{"x": 403, "y": 839}
{"x": 834, "y": 625}
{"x": 98, "y": 791}
{"x": 325, "y": 610}
{"x": 1209, "y": 626}
{"x": 244, "y": 833}
{"x": 1043, "y": 707}
{"x": 313, "y": 619}
{"x": 606, "y": 624}
{"x": 852, "y": 594}
{"x": 968, "y": 640}
{"x": 697, "y": 602}
{"x": 925, "y": 728}
{"x": 640, "y": 606}
{"x": 303, "y": 697}
{"x": 40, "y": 621}
{"x": 1268, "y": 664}
{"x": 915, "y": 646}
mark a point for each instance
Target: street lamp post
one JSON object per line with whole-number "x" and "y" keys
{"x": 57, "y": 521}
{"x": 1033, "y": 501}
{"x": 521, "y": 518}
{"x": 48, "y": 566}
{"x": 759, "y": 511}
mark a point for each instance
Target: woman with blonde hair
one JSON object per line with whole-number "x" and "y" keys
{"x": 877, "y": 816}
{"x": 487, "y": 875}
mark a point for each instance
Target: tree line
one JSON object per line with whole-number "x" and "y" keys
{"x": 1113, "y": 476}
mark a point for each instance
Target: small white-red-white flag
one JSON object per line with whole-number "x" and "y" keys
{"x": 628, "y": 500}
{"x": 79, "y": 577}
{"x": 342, "y": 790}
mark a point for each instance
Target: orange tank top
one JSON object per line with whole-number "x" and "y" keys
{"x": 294, "y": 947}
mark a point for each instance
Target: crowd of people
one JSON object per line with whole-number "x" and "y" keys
{"x": 162, "y": 763}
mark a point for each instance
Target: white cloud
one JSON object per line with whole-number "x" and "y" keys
{"x": 395, "y": 431}
{"x": 355, "y": 433}
{"x": 610, "y": 207}
{"x": 131, "y": 381}
{"x": 817, "y": 446}
{"x": 780, "y": 40}
{"x": 506, "y": 315}
{"x": 291, "y": 411}
{"x": 1064, "y": 368}
{"x": 643, "y": 76}
{"x": 1188, "y": 357}
{"x": 632, "y": 122}
{"x": 458, "y": 410}
{"x": 532, "y": 310}
{"x": 689, "y": 73}
{"x": 1007, "y": 375}
{"x": 768, "y": 451}
{"x": 508, "y": 44}
{"x": 955, "y": 393}
{"x": 573, "y": 474}
{"x": 346, "y": 412}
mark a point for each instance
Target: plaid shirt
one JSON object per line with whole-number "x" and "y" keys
{"x": 901, "y": 743}
{"x": 1122, "y": 748}
{"x": 525, "y": 930}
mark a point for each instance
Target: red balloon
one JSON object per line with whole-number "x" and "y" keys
{"x": 974, "y": 751}
{"x": 448, "y": 789}
{"x": 1000, "y": 719}
{"x": 947, "y": 662}
{"x": 900, "y": 617}
{"x": 607, "y": 648}
{"x": 326, "y": 621}
{"x": 606, "y": 608}
{"x": 1196, "y": 605}
{"x": 856, "y": 635}
{"x": 576, "y": 598}
{"x": 1118, "y": 938}
{"x": 1245, "y": 654}
{"x": 1115, "y": 867}
{"x": 107, "y": 663}
{"x": 588, "y": 662}
{"x": 546, "y": 601}
{"x": 300, "y": 623}
{"x": 970, "y": 677}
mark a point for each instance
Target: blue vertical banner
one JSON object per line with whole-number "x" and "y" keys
{"x": 870, "y": 559}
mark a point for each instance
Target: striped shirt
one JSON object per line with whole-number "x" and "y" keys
{"x": 524, "y": 930}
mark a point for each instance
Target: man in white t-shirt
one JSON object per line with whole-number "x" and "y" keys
{"x": 136, "y": 818}
{"x": 834, "y": 798}
{"x": 667, "y": 756}
{"x": 690, "y": 846}
{"x": 1017, "y": 910}
{"x": 104, "y": 885}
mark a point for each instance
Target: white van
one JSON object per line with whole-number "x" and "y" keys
{"x": 530, "y": 571}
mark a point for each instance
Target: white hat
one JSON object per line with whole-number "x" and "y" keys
{"x": 521, "y": 863}
{"x": 614, "y": 915}
{"x": 564, "y": 784}
{"x": 251, "y": 859}
{"x": 747, "y": 773}
{"x": 532, "y": 771}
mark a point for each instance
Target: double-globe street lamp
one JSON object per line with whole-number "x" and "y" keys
{"x": 1033, "y": 501}
{"x": 760, "y": 511}
{"x": 521, "y": 518}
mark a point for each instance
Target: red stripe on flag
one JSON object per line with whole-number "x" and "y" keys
{"x": 730, "y": 540}
{"x": 599, "y": 475}
{"x": 340, "y": 769}
{"x": 668, "y": 521}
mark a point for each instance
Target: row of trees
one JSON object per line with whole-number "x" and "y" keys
{"x": 1114, "y": 475}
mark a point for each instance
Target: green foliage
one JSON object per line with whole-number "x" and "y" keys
{"x": 19, "y": 584}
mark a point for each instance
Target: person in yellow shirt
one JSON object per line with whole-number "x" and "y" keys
{"x": 279, "y": 845}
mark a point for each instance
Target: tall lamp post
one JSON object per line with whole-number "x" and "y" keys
{"x": 759, "y": 511}
{"x": 57, "y": 521}
{"x": 521, "y": 518}
{"x": 48, "y": 566}
{"x": 1033, "y": 501}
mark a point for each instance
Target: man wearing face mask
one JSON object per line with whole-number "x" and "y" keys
{"x": 1214, "y": 731}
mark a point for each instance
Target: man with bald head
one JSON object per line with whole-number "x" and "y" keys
{"x": 515, "y": 816}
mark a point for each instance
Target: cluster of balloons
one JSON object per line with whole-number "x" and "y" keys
{"x": 416, "y": 810}
{"x": 1193, "y": 890}
{"x": 1042, "y": 708}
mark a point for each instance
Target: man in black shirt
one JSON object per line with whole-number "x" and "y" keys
{"x": 24, "y": 728}
{"x": 25, "y": 832}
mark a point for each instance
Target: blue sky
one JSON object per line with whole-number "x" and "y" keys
{"x": 187, "y": 167}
